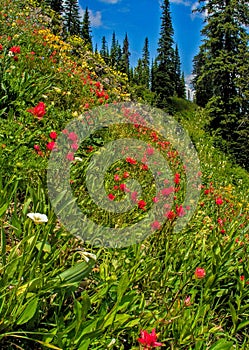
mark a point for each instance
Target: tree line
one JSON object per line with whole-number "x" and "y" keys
{"x": 162, "y": 76}
{"x": 221, "y": 74}
{"x": 220, "y": 69}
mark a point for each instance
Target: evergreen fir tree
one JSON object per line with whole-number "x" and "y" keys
{"x": 201, "y": 83}
{"x": 115, "y": 53}
{"x": 178, "y": 74}
{"x": 86, "y": 29}
{"x": 57, "y": 5}
{"x": 220, "y": 80}
{"x": 72, "y": 17}
{"x": 146, "y": 64}
{"x": 182, "y": 89}
{"x": 154, "y": 68}
{"x": 104, "y": 50}
{"x": 138, "y": 72}
{"x": 163, "y": 83}
{"x": 125, "y": 62}
{"x": 142, "y": 70}
{"x": 118, "y": 56}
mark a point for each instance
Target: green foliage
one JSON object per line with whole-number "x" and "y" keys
{"x": 221, "y": 83}
{"x": 53, "y": 293}
{"x": 72, "y": 17}
{"x": 164, "y": 73}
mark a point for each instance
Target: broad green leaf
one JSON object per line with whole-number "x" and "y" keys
{"x": 242, "y": 325}
{"x": 4, "y": 208}
{"x": 222, "y": 344}
{"x": 28, "y": 312}
{"x": 233, "y": 313}
{"x": 46, "y": 248}
{"x": 122, "y": 286}
{"x": 84, "y": 345}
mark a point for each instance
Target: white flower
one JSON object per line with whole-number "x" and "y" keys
{"x": 38, "y": 218}
{"x": 87, "y": 255}
{"x": 78, "y": 158}
{"x": 10, "y": 54}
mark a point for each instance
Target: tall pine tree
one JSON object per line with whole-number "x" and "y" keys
{"x": 179, "y": 76}
{"x": 104, "y": 50}
{"x": 72, "y": 17}
{"x": 164, "y": 70}
{"x": 57, "y": 5}
{"x": 125, "y": 61}
{"x": 142, "y": 70}
{"x": 115, "y": 52}
{"x": 86, "y": 29}
{"x": 221, "y": 70}
{"x": 146, "y": 64}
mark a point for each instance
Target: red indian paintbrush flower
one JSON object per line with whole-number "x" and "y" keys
{"x": 149, "y": 340}
{"x": 39, "y": 110}
{"x": 53, "y": 135}
{"x": 219, "y": 201}
{"x": 111, "y": 196}
{"x": 50, "y": 145}
{"x": 200, "y": 272}
{"x": 131, "y": 160}
{"x": 141, "y": 204}
{"x": 15, "y": 49}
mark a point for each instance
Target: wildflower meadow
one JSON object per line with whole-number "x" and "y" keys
{"x": 65, "y": 285}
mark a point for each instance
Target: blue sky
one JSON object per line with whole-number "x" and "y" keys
{"x": 141, "y": 18}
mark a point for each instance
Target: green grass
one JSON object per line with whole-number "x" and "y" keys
{"x": 52, "y": 295}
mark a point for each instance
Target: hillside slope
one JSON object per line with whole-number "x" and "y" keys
{"x": 58, "y": 292}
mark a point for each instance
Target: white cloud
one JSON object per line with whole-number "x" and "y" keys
{"x": 95, "y": 18}
{"x": 110, "y": 1}
{"x": 181, "y": 2}
{"x": 188, "y": 79}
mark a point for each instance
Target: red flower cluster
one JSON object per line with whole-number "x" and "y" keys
{"x": 141, "y": 204}
{"x": 149, "y": 340}
{"x": 1, "y": 47}
{"x": 131, "y": 160}
{"x": 156, "y": 225}
{"x": 111, "y": 196}
{"x": 53, "y": 135}
{"x": 50, "y": 145}
{"x": 38, "y": 111}
{"x": 219, "y": 201}
{"x": 200, "y": 272}
{"x": 177, "y": 179}
{"x": 38, "y": 150}
{"x": 15, "y": 49}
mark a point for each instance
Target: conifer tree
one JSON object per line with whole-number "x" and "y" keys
{"x": 125, "y": 61}
{"x": 179, "y": 77}
{"x": 57, "y": 5}
{"x": 115, "y": 53}
{"x": 182, "y": 88}
{"x": 153, "y": 74}
{"x": 201, "y": 83}
{"x": 86, "y": 29}
{"x": 221, "y": 70}
{"x": 138, "y": 72}
{"x": 104, "y": 50}
{"x": 146, "y": 64}
{"x": 164, "y": 75}
{"x": 72, "y": 17}
{"x": 142, "y": 70}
